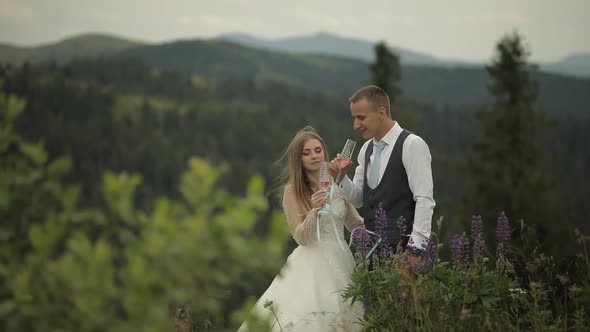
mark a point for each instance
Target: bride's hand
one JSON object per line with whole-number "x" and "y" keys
{"x": 318, "y": 199}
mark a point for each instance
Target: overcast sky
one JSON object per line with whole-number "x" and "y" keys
{"x": 453, "y": 29}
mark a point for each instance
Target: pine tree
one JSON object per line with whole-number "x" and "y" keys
{"x": 385, "y": 71}
{"x": 506, "y": 167}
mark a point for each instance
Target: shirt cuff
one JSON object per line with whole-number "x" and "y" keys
{"x": 417, "y": 241}
{"x": 345, "y": 183}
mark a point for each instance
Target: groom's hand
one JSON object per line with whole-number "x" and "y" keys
{"x": 335, "y": 167}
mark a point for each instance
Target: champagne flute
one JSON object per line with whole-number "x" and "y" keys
{"x": 325, "y": 180}
{"x": 346, "y": 154}
{"x": 325, "y": 177}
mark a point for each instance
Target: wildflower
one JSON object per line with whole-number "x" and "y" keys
{"x": 381, "y": 226}
{"x": 380, "y": 220}
{"x": 268, "y": 304}
{"x": 517, "y": 290}
{"x": 477, "y": 237}
{"x": 428, "y": 252}
{"x": 362, "y": 240}
{"x": 502, "y": 233}
{"x": 517, "y": 293}
{"x": 564, "y": 279}
{"x": 401, "y": 224}
{"x": 460, "y": 249}
{"x": 465, "y": 313}
{"x": 503, "y": 229}
{"x": 429, "y": 256}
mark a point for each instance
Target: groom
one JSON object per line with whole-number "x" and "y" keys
{"x": 393, "y": 169}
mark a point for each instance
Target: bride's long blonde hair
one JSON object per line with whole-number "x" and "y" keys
{"x": 295, "y": 174}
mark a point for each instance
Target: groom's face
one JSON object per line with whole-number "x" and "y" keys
{"x": 366, "y": 119}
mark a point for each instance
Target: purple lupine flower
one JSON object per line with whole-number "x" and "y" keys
{"x": 476, "y": 227}
{"x": 402, "y": 226}
{"x": 362, "y": 240}
{"x": 503, "y": 229}
{"x": 502, "y": 233}
{"x": 429, "y": 252}
{"x": 460, "y": 249}
{"x": 477, "y": 237}
{"x": 456, "y": 246}
{"x": 381, "y": 225}
{"x": 381, "y": 220}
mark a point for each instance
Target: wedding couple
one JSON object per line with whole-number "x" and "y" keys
{"x": 393, "y": 169}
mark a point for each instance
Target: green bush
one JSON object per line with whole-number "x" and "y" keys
{"x": 473, "y": 291}
{"x": 63, "y": 268}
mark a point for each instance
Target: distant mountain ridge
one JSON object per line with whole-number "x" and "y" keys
{"x": 574, "y": 65}
{"x": 329, "y": 44}
{"x": 97, "y": 45}
{"x": 80, "y": 46}
{"x": 220, "y": 59}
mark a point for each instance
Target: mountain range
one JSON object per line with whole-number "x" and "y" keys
{"x": 322, "y": 63}
{"x": 320, "y": 43}
{"x": 329, "y": 44}
{"x": 81, "y": 46}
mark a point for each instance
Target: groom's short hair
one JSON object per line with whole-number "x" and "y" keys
{"x": 374, "y": 95}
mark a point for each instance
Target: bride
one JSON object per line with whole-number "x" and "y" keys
{"x": 306, "y": 295}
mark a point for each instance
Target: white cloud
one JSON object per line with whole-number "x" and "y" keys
{"x": 323, "y": 20}
{"x": 15, "y": 11}
{"x": 185, "y": 20}
{"x": 514, "y": 18}
{"x": 496, "y": 17}
{"x": 216, "y": 22}
{"x": 408, "y": 20}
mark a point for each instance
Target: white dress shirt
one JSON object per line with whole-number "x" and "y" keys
{"x": 416, "y": 160}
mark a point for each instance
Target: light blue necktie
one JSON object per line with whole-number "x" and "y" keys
{"x": 373, "y": 179}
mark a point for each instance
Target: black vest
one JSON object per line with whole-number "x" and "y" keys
{"x": 393, "y": 191}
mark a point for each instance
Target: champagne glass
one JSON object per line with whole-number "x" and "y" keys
{"x": 346, "y": 154}
{"x": 325, "y": 177}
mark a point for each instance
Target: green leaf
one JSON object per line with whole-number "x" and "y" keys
{"x": 6, "y": 308}
{"x": 12, "y": 107}
{"x": 37, "y": 237}
{"x": 118, "y": 191}
{"x": 35, "y": 152}
{"x": 59, "y": 167}
{"x": 4, "y": 199}
{"x": 197, "y": 183}
{"x": 69, "y": 198}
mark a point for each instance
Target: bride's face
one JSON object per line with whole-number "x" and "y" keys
{"x": 312, "y": 155}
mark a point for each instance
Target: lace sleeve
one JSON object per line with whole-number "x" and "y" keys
{"x": 302, "y": 226}
{"x": 352, "y": 219}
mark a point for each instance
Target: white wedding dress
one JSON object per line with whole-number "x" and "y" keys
{"x": 307, "y": 293}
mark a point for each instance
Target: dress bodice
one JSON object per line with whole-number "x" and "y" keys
{"x": 331, "y": 224}
{"x": 323, "y": 224}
